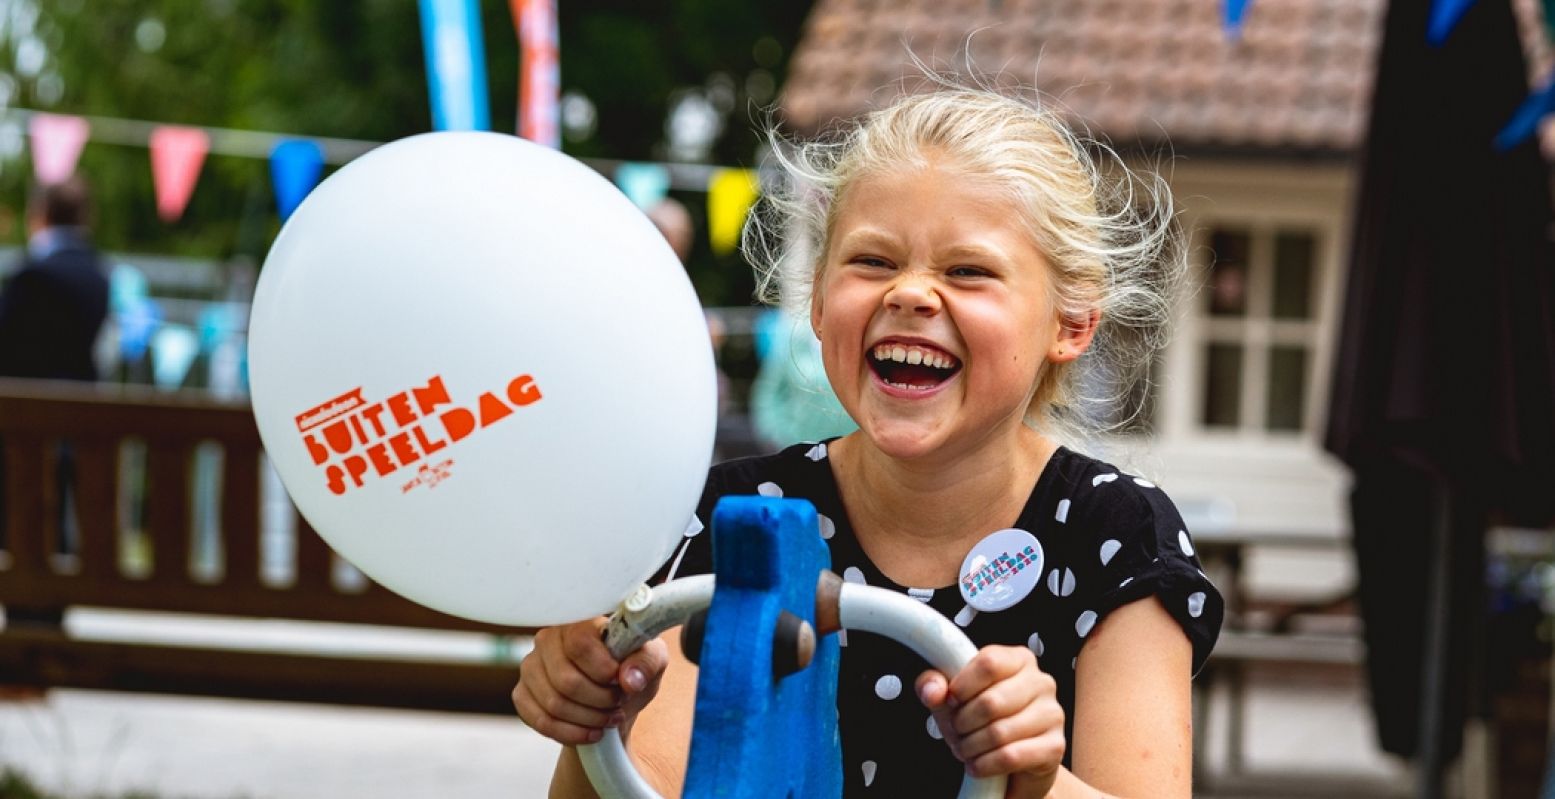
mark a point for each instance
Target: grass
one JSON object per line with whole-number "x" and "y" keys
{"x": 16, "y": 785}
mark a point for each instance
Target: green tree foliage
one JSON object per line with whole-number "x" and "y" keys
{"x": 355, "y": 69}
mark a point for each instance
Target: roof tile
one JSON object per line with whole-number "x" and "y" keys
{"x": 1299, "y": 75}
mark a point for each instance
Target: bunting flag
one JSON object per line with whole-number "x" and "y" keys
{"x": 1444, "y": 17}
{"x": 1233, "y": 14}
{"x": 644, "y": 184}
{"x": 730, "y": 195}
{"x": 1525, "y": 120}
{"x": 295, "y": 165}
{"x": 456, "y": 64}
{"x": 56, "y": 145}
{"x": 540, "y": 74}
{"x": 177, "y": 154}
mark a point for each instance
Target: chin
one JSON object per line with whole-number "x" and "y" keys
{"x": 903, "y": 440}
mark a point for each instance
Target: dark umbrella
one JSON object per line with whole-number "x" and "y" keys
{"x": 1444, "y": 384}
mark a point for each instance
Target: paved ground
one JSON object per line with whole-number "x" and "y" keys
{"x": 83, "y": 743}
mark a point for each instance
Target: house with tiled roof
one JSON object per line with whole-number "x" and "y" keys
{"x": 1257, "y": 134}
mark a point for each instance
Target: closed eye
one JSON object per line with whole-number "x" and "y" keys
{"x": 969, "y": 271}
{"x": 871, "y": 261}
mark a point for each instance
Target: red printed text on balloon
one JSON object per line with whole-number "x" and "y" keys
{"x": 353, "y": 440}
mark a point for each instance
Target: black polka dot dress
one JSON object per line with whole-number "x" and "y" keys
{"x": 1108, "y": 539}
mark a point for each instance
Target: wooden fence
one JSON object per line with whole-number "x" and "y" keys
{"x": 123, "y": 534}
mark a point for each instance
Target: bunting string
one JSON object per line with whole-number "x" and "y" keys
{"x": 683, "y": 176}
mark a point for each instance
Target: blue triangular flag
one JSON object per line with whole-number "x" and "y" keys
{"x": 1525, "y": 121}
{"x": 1234, "y": 11}
{"x": 1444, "y": 17}
{"x": 294, "y": 170}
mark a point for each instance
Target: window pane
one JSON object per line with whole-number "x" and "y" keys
{"x": 1223, "y": 385}
{"x": 1293, "y": 267}
{"x": 1287, "y": 387}
{"x": 1228, "y": 272}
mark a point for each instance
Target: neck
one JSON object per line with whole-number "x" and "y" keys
{"x": 948, "y": 501}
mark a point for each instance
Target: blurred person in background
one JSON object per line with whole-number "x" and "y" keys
{"x": 791, "y": 400}
{"x": 734, "y": 437}
{"x": 53, "y": 306}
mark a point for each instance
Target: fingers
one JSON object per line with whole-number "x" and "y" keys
{"x": 1000, "y": 715}
{"x": 566, "y": 685}
{"x": 1033, "y": 721}
{"x": 1040, "y": 756}
{"x": 543, "y": 721}
{"x": 999, "y": 682}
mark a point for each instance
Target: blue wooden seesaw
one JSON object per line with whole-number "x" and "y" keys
{"x": 766, "y": 704}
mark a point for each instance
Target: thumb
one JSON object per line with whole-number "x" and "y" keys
{"x": 934, "y": 692}
{"x": 641, "y": 669}
{"x": 933, "y": 689}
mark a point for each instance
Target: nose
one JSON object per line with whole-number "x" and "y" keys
{"x": 913, "y": 293}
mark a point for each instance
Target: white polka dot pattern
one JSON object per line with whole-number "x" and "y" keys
{"x": 853, "y": 574}
{"x": 817, "y": 453}
{"x": 869, "y": 772}
{"x": 828, "y": 527}
{"x": 933, "y": 727}
{"x": 1196, "y": 604}
{"x": 769, "y": 489}
{"x": 1103, "y": 478}
{"x": 1063, "y": 511}
{"x": 888, "y": 687}
{"x": 965, "y": 617}
{"x": 693, "y": 527}
{"x": 923, "y": 595}
{"x": 1083, "y": 625}
{"x": 1184, "y": 543}
{"x": 1109, "y": 548}
{"x": 1142, "y": 482}
{"x": 1034, "y": 643}
{"x": 1061, "y": 586}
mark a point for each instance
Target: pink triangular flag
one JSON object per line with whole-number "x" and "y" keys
{"x": 176, "y": 157}
{"x": 56, "y": 145}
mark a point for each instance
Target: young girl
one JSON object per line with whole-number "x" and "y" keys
{"x": 967, "y": 252}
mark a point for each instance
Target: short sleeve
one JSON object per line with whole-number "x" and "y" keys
{"x": 1139, "y": 547}
{"x": 694, "y": 553}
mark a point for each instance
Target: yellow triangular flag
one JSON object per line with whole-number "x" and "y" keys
{"x": 730, "y": 195}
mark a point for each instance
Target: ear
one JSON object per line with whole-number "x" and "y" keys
{"x": 815, "y": 308}
{"x": 1074, "y": 336}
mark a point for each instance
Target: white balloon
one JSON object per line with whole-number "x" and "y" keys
{"x": 484, "y": 378}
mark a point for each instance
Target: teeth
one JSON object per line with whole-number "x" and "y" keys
{"x": 912, "y": 355}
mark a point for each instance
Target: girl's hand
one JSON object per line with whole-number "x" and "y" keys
{"x": 1000, "y": 715}
{"x": 570, "y": 688}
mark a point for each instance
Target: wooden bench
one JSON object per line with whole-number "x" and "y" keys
{"x": 1263, "y": 635}
{"x": 122, "y": 535}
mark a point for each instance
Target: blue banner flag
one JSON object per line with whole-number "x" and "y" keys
{"x": 1444, "y": 17}
{"x": 1233, "y": 13}
{"x": 1525, "y": 121}
{"x": 295, "y": 165}
{"x": 456, "y": 64}
{"x": 645, "y": 184}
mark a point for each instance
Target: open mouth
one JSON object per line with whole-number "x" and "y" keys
{"x": 911, "y": 367}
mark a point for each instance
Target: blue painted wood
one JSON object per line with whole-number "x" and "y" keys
{"x": 754, "y": 737}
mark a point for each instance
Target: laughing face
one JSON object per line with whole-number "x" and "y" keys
{"x": 934, "y": 313}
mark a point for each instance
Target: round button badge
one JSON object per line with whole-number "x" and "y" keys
{"x": 1001, "y": 570}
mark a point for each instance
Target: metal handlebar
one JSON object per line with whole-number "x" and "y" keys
{"x": 650, "y": 612}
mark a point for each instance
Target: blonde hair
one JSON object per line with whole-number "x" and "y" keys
{"x": 1108, "y": 232}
